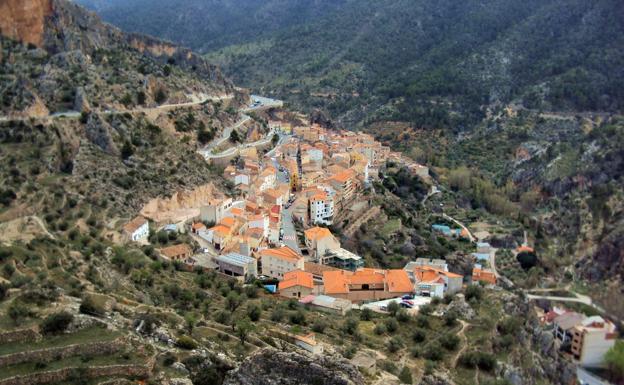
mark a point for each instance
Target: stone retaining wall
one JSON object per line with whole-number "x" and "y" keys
{"x": 140, "y": 371}
{"x": 53, "y": 354}
{"x": 22, "y": 335}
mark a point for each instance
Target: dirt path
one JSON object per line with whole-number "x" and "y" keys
{"x": 458, "y": 223}
{"x": 461, "y": 333}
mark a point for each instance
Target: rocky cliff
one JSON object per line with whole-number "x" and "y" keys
{"x": 271, "y": 367}
{"x": 24, "y": 20}
{"x": 62, "y": 26}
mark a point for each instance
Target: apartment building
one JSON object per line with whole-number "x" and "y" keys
{"x": 279, "y": 261}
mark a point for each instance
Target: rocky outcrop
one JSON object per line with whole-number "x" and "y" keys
{"x": 62, "y": 26}
{"x": 436, "y": 379}
{"x": 24, "y": 20}
{"x": 272, "y": 367}
{"x": 81, "y": 102}
{"x": 99, "y": 133}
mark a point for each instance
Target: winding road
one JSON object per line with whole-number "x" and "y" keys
{"x": 197, "y": 99}
{"x": 458, "y": 223}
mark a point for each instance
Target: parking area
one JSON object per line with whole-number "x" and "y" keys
{"x": 380, "y": 306}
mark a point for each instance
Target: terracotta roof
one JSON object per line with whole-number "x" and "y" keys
{"x": 418, "y": 269}
{"x": 343, "y": 176}
{"x": 173, "y": 251}
{"x": 297, "y": 278}
{"x": 398, "y": 281}
{"x": 337, "y": 282}
{"x": 198, "y": 226}
{"x": 236, "y": 211}
{"x": 227, "y": 221}
{"x": 483, "y": 275}
{"x": 221, "y": 229}
{"x": 272, "y": 193}
{"x": 284, "y": 252}
{"x": 316, "y": 233}
{"x": 317, "y": 269}
{"x": 525, "y": 249}
{"x": 319, "y": 197}
{"x": 134, "y": 224}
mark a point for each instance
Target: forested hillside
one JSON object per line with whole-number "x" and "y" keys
{"x": 431, "y": 63}
{"x": 207, "y": 25}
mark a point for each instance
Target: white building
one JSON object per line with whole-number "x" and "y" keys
{"x": 215, "y": 210}
{"x": 136, "y": 230}
{"x": 259, "y": 222}
{"x": 591, "y": 339}
{"x": 315, "y": 155}
{"x": 241, "y": 178}
{"x": 321, "y": 208}
{"x": 277, "y": 262}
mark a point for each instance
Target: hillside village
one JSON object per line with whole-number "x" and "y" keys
{"x": 159, "y": 225}
{"x": 276, "y": 231}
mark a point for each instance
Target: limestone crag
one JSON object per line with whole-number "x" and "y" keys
{"x": 24, "y": 20}
{"x": 272, "y": 367}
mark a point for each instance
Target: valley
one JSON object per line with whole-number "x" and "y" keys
{"x": 358, "y": 214}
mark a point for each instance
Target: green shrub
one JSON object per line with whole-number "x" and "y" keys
{"x": 186, "y": 342}
{"x": 56, "y": 323}
{"x": 380, "y": 329}
{"x": 449, "y": 341}
{"x": 392, "y": 325}
{"x": 91, "y": 307}
{"x": 254, "y": 312}
{"x": 419, "y": 335}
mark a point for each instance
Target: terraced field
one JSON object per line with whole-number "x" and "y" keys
{"x": 87, "y": 354}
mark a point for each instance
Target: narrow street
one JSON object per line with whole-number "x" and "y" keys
{"x": 290, "y": 233}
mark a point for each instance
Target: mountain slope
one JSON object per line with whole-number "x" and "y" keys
{"x": 406, "y": 60}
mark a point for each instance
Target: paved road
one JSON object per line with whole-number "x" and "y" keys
{"x": 290, "y": 235}
{"x": 260, "y": 103}
{"x": 225, "y": 135}
{"x": 75, "y": 114}
{"x": 493, "y": 261}
{"x": 472, "y": 238}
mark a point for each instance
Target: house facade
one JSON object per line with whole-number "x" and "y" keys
{"x": 136, "y": 230}
{"x": 279, "y": 261}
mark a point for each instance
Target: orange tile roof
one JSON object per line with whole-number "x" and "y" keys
{"x": 297, "y": 278}
{"x": 284, "y": 252}
{"x": 134, "y": 224}
{"x": 272, "y": 193}
{"x": 173, "y": 251}
{"x": 525, "y": 249}
{"x": 317, "y": 269}
{"x": 221, "y": 230}
{"x": 336, "y": 282}
{"x": 236, "y": 211}
{"x": 483, "y": 275}
{"x": 418, "y": 269}
{"x": 343, "y": 176}
{"x": 316, "y": 233}
{"x": 227, "y": 221}
{"x": 198, "y": 226}
{"x": 319, "y": 197}
{"x": 398, "y": 281}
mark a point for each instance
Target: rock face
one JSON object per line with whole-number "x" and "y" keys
{"x": 24, "y": 20}
{"x": 61, "y": 26}
{"x": 272, "y": 367}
